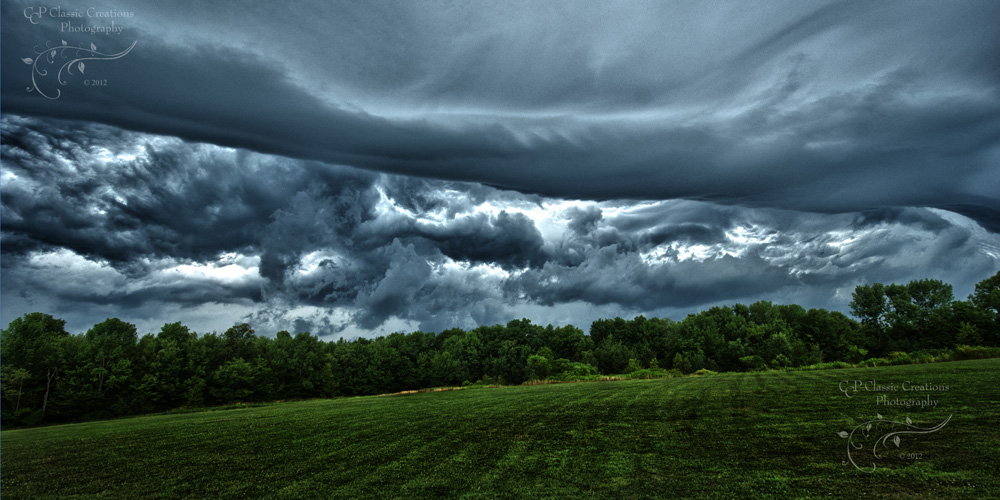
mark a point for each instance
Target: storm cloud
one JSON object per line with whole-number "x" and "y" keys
{"x": 99, "y": 222}
{"x": 354, "y": 169}
{"x": 821, "y": 107}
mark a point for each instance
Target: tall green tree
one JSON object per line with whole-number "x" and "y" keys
{"x": 870, "y": 305}
{"x": 34, "y": 357}
{"x": 919, "y": 315}
{"x": 986, "y": 306}
{"x": 238, "y": 342}
{"x": 111, "y": 345}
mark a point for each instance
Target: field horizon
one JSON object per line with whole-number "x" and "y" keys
{"x": 728, "y": 435}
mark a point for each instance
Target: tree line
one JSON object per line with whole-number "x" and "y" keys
{"x": 50, "y": 375}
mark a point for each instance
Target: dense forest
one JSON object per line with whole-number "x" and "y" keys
{"x": 50, "y": 375}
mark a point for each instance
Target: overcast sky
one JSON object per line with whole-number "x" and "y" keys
{"x": 361, "y": 168}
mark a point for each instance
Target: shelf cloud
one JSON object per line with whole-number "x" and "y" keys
{"x": 356, "y": 168}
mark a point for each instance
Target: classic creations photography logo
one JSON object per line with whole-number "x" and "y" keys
{"x": 878, "y": 435}
{"x": 851, "y": 387}
{"x": 55, "y": 64}
{"x": 76, "y": 20}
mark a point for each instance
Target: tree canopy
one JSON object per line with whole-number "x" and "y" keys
{"x": 49, "y": 375}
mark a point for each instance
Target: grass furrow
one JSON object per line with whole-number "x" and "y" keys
{"x": 753, "y": 435}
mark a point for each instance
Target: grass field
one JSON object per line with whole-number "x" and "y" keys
{"x": 755, "y": 435}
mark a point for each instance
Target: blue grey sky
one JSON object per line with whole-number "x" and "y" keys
{"x": 358, "y": 168}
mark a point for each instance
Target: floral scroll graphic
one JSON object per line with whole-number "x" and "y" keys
{"x": 74, "y": 61}
{"x": 882, "y": 431}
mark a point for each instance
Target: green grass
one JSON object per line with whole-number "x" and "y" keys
{"x": 754, "y": 435}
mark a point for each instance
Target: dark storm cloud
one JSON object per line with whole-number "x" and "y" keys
{"x": 99, "y": 221}
{"x": 188, "y": 293}
{"x": 134, "y": 206}
{"x": 662, "y": 262}
{"x": 695, "y": 233}
{"x": 406, "y": 275}
{"x": 511, "y": 241}
{"x": 606, "y": 265}
{"x": 837, "y": 107}
{"x": 611, "y": 277}
{"x": 643, "y": 228}
{"x": 172, "y": 200}
{"x": 733, "y": 121}
{"x": 583, "y": 220}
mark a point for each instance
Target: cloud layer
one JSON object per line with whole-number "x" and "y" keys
{"x": 836, "y": 107}
{"x": 101, "y": 222}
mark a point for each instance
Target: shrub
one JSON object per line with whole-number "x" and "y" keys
{"x": 648, "y": 373}
{"x": 899, "y": 358}
{"x": 836, "y": 365}
{"x": 633, "y": 366}
{"x": 576, "y": 371}
{"x": 975, "y": 352}
{"x": 781, "y": 361}
{"x": 874, "y": 362}
{"x": 752, "y": 363}
{"x": 582, "y": 369}
{"x": 855, "y": 354}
